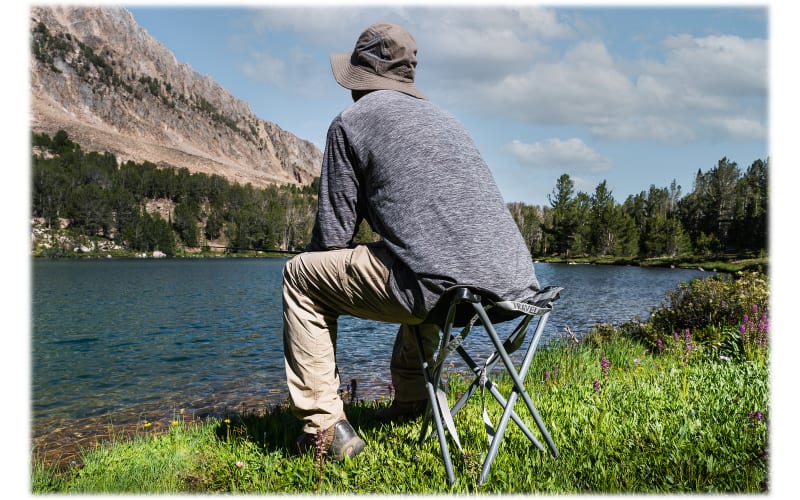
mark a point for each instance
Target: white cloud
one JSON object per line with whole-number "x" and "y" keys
{"x": 741, "y": 128}
{"x": 726, "y": 65}
{"x": 482, "y": 44}
{"x": 571, "y": 155}
{"x": 545, "y": 23}
{"x": 716, "y": 80}
{"x": 266, "y": 68}
{"x": 528, "y": 65}
{"x": 455, "y": 44}
{"x": 297, "y": 71}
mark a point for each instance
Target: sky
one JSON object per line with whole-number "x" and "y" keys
{"x": 633, "y": 95}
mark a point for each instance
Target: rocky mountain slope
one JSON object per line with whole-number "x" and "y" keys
{"x": 112, "y": 87}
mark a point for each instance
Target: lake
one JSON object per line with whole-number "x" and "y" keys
{"x": 121, "y": 341}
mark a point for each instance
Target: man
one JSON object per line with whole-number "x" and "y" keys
{"x": 412, "y": 172}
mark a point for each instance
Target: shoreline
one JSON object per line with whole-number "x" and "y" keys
{"x": 62, "y": 442}
{"x": 725, "y": 264}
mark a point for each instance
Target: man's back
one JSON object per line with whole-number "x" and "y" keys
{"x": 432, "y": 198}
{"x": 412, "y": 171}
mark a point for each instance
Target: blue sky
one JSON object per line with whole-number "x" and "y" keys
{"x": 632, "y": 95}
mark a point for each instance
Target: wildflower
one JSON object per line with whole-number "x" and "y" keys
{"x": 636, "y": 361}
{"x": 239, "y": 465}
{"x": 146, "y": 424}
{"x": 724, "y": 358}
{"x": 688, "y": 345}
{"x": 659, "y": 345}
{"x": 174, "y": 422}
{"x": 546, "y": 376}
{"x": 754, "y": 334}
{"x": 320, "y": 448}
{"x": 605, "y": 364}
{"x": 227, "y": 421}
{"x": 596, "y": 386}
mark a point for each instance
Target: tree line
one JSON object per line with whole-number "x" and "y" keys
{"x": 726, "y": 211}
{"x": 101, "y": 198}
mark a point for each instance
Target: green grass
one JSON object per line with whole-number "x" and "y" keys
{"x": 654, "y": 423}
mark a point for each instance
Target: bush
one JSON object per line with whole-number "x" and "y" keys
{"x": 601, "y": 334}
{"x": 706, "y": 307}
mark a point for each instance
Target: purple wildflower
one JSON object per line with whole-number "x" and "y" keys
{"x": 596, "y": 386}
{"x": 320, "y": 446}
{"x": 755, "y": 334}
{"x": 755, "y": 417}
{"x": 605, "y": 364}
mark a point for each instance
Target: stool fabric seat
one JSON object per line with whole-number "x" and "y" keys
{"x": 464, "y": 306}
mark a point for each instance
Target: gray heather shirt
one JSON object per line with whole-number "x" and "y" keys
{"x": 411, "y": 170}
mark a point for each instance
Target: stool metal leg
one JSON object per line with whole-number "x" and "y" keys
{"x": 524, "y": 369}
{"x": 519, "y": 389}
{"x": 437, "y": 399}
{"x": 494, "y": 392}
{"x": 434, "y": 408}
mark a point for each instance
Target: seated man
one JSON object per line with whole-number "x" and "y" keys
{"x": 413, "y": 173}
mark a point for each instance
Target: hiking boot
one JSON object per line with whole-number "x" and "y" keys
{"x": 337, "y": 441}
{"x": 402, "y": 410}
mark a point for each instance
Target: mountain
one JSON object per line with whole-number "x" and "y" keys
{"x": 112, "y": 87}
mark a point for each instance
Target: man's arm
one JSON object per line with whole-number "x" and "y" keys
{"x": 338, "y": 214}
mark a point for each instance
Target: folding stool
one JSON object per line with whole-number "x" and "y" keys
{"x": 463, "y": 307}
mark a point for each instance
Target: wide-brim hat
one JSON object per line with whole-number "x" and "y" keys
{"x": 384, "y": 58}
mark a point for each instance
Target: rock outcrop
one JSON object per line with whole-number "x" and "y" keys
{"x": 112, "y": 87}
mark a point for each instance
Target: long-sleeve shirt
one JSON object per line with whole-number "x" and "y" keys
{"x": 412, "y": 171}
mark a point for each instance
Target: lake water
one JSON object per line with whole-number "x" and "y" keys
{"x": 120, "y": 341}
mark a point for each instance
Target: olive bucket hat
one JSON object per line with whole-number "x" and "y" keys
{"x": 385, "y": 58}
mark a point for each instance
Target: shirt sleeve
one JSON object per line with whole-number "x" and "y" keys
{"x": 338, "y": 213}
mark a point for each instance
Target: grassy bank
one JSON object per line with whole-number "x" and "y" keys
{"x": 727, "y": 264}
{"x": 686, "y": 419}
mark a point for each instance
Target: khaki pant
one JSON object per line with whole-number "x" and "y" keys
{"x": 318, "y": 287}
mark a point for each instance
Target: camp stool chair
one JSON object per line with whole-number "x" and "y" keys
{"x": 463, "y": 307}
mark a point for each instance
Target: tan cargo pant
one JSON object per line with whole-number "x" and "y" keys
{"x": 318, "y": 287}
